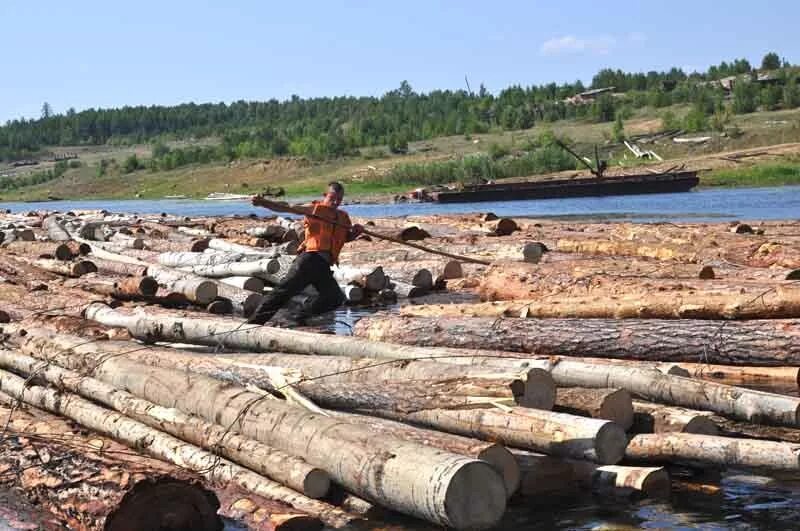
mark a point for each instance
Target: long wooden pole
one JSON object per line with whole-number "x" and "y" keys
{"x": 284, "y": 207}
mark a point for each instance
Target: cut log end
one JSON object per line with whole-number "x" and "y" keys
{"x": 198, "y": 246}
{"x": 84, "y": 267}
{"x": 706, "y": 273}
{"x": 701, "y": 425}
{"x": 652, "y": 482}
{"x": 532, "y": 252}
{"x": 316, "y": 484}
{"x": 168, "y": 504}
{"x": 471, "y": 508}
{"x": 610, "y": 443}
{"x": 205, "y": 292}
{"x": 220, "y": 306}
{"x": 505, "y": 464}
{"x": 4, "y": 317}
{"x": 540, "y": 390}
{"x": 251, "y": 303}
{"x": 618, "y": 407}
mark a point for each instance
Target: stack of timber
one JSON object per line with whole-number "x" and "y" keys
{"x": 602, "y": 355}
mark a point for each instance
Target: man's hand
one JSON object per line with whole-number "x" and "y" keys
{"x": 356, "y": 230}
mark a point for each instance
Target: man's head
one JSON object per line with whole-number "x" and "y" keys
{"x": 334, "y": 195}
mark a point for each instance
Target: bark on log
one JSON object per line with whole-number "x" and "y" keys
{"x": 261, "y": 268}
{"x": 738, "y": 375}
{"x": 440, "y": 269}
{"x": 757, "y": 342}
{"x": 55, "y": 229}
{"x": 656, "y": 418}
{"x": 493, "y": 453}
{"x": 371, "y": 279}
{"x": 119, "y": 268}
{"x": 420, "y": 278}
{"x": 128, "y": 288}
{"x": 246, "y": 282}
{"x": 440, "y": 487}
{"x": 59, "y": 251}
{"x": 89, "y": 483}
{"x": 693, "y": 449}
{"x": 165, "y": 447}
{"x": 69, "y": 269}
{"x": 231, "y": 247}
{"x": 244, "y": 302}
{"x": 257, "y": 513}
{"x": 775, "y": 303}
{"x": 283, "y": 468}
{"x": 166, "y": 246}
{"x": 539, "y": 473}
{"x": 190, "y": 259}
{"x": 556, "y": 434}
{"x": 609, "y": 404}
{"x": 406, "y": 290}
{"x": 127, "y": 241}
{"x": 197, "y": 289}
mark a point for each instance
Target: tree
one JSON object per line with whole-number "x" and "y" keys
{"x": 791, "y": 94}
{"x": 745, "y": 95}
{"x": 47, "y": 111}
{"x": 604, "y": 108}
{"x": 131, "y": 164}
{"x": 618, "y": 132}
{"x": 771, "y": 61}
{"x": 771, "y": 97}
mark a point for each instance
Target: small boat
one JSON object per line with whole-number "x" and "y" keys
{"x": 179, "y": 196}
{"x": 222, "y": 196}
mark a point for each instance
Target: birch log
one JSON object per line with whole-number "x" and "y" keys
{"x": 439, "y": 487}
{"x": 261, "y": 268}
{"x": 88, "y": 483}
{"x": 163, "y": 446}
{"x": 656, "y": 418}
{"x": 69, "y": 269}
{"x": 372, "y": 279}
{"x": 694, "y": 449}
{"x": 283, "y": 468}
{"x": 552, "y": 433}
{"x": 196, "y": 289}
{"x": 190, "y": 259}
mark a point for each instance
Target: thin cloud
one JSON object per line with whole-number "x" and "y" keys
{"x": 572, "y": 45}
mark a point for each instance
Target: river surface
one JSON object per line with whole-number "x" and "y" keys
{"x": 700, "y": 205}
{"x": 742, "y": 502}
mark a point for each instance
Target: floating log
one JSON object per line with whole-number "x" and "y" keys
{"x": 127, "y": 241}
{"x": 420, "y": 278}
{"x": 244, "y": 302}
{"x": 656, "y": 418}
{"x": 499, "y": 227}
{"x": 283, "y": 468}
{"x": 231, "y": 247}
{"x": 609, "y": 404}
{"x": 372, "y": 279}
{"x": 59, "y": 251}
{"x": 756, "y": 342}
{"x": 132, "y": 288}
{"x": 406, "y": 290}
{"x": 440, "y": 487}
{"x": 70, "y": 269}
{"x": 119, "y": 268}
{"x": 440, "y": 270}
{"x": 196, "y": 289}
{"x": 495, "y": 454}
{"x": 261, "y": 268}
{"x": 187, "y": 245}
{"x": 191, "y": 259}
{"x": 546, "y": 475}
{"x": 694, "y": 449}
{"x": 247, "y": 283}
{"x": 92, "y": 483}
{"x": 55, "y": 229}
{"x": 558, "y": 434}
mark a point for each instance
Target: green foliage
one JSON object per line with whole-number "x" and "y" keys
{"x": 791, "y": 94}
{"x": 102, "y": 168}
{"x": 669, "y": 121}
{"x": 13, "y": 183}
{"x": 770, "y": 97}
{"x": 159, "y": 150}
{"x": 618, "y": 133}
{"x": 786, "y": 173}
{"x": 745, "y": 97}
{"x": 695, "y": 121}
{"x": 131, "y": 164}
{"x": 771, "y": 61}
{"x": 603, "y": 108}
{"x": 720, "y": 119}
{"x": 472, "y": 168}
{"x": 496, "y": 151}
{"x": 398, "y": 143}
{"x": 74, "y": 164}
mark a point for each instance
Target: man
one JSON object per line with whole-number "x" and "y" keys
{"x": 327, "y": 229}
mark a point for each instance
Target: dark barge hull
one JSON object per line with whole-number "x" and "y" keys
{"x": 623, "y": 185}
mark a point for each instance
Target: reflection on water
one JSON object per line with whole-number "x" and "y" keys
{"x": 710, "y": 204}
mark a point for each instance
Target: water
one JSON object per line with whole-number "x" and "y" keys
{"x": 700, "y": 205}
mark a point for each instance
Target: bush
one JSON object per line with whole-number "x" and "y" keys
{"x": 131, "y": 164}
{"x": 74, "y": 164}
{"x": 618, "y": 133}
{"x": 669, "y": 121}
{"x": 695, "y": 121}
{"x": 745, "y": 95}
{"x": 496, "y": 151}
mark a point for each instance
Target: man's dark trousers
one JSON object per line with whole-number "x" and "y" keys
{"x": 307, "y": 269}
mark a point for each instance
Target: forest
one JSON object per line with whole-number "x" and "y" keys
{"x": 330, "y": 127}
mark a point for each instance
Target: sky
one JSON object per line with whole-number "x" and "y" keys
{"x": 92, "y": 53}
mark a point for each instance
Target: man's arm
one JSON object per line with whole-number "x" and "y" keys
{"x": 280, "y": 206}
{"x": 355, "y": 231}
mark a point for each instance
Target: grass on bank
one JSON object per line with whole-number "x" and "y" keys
{"x": 762, "y": 175}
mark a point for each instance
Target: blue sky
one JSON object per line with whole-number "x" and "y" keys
{"x": 91, "y": 53}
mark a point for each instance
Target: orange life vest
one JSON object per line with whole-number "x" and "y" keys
{"x": 322, "y": 236}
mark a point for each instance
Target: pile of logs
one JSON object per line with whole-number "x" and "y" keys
{"x": 597, "y": 360}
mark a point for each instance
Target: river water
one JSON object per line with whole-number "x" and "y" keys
{"x": 743, "y": 502}
{"x": 699, "y": 205}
